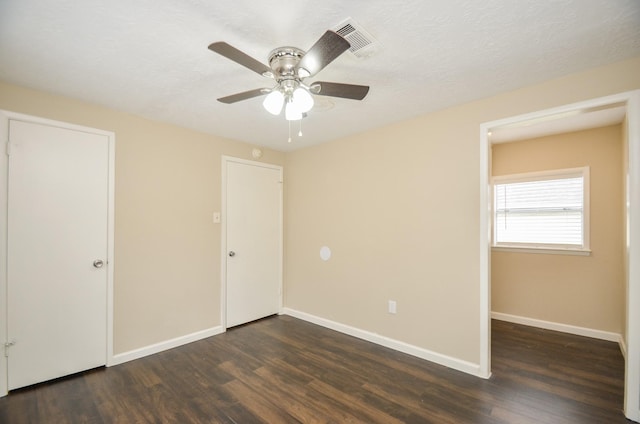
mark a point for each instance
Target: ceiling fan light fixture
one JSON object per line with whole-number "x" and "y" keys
{"x": 273, "y": 102}
{"x": 292, "y": 112}
{"x": 302, "y": 99}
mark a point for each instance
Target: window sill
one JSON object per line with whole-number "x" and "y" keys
{"x": 542, "y": 250}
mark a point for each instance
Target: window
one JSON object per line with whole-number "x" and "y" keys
{"x": 542, "y": 210}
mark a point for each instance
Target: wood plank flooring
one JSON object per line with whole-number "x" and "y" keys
{"x": 283, "y": 370}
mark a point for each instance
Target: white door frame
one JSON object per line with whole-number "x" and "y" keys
{"x": 223, "y": 235}
{"x": 631, "y": 100}
{"x": 5, "y": 116}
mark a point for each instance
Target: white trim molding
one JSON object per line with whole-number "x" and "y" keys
{"x": 632, "y": 371}
{"x": 556, "y": 326}
{"x": 4, "y": 164}
{"x": 541, "y": 250}
{"x": 486, "y": 220}
{"x": 623, "y": 348}
{"x": 165, "y": 345}
{"x": 447, "y": 361}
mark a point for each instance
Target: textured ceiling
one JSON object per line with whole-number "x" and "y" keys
{"x": 150, "y": 57}
{"x": 575, "y": 120}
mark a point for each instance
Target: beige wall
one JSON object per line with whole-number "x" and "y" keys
{"x": 167, "y": 250}
{"x": 399, "y": 207}
{"x": 584, "y": 291}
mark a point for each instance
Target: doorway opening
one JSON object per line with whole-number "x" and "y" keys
{"x": 627, "y": 108}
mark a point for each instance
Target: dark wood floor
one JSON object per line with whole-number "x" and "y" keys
{"x": 283, "y": 370}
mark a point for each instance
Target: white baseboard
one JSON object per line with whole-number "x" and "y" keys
{"x": 564, "y": 328}
{"x": 623, "y": 347}
{"x": 162, "y": 346}
{"x": 633, "y": 416}
{"x": 447, "y": 361}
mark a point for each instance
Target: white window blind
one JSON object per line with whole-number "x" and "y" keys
{"x": 541, "y": 210}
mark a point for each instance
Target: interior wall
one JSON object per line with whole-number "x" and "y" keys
{"x": 583, "y": 291}
{"x": 399, "y": 206}
{"x": 167, "y": 248}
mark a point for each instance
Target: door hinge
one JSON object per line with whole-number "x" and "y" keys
{"x": 7, "y": 345}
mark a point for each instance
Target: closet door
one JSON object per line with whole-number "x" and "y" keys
{"x": 57, "y": 252}
{"x": 254, "y": 234}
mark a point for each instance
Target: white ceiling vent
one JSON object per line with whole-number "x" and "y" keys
{"x": 362, "y": 43}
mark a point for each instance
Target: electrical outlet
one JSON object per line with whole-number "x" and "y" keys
{"x": 392, "y": 306}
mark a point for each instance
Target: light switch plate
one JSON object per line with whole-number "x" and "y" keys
{"x": 392, "y": 306}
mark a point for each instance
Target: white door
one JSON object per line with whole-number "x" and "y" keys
{"x": 254, "y": 234}
{"x": 57, "y": 234}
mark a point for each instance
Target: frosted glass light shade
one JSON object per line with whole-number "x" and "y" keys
{"x": 273, "y": 102}
{"x": 302, "y": 99}
{"x": 291, "y": 112}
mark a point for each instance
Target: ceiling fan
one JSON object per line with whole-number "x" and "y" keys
{"x": 289, "y": 67}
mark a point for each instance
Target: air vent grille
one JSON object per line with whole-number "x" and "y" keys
{"x": 362, "y": 43}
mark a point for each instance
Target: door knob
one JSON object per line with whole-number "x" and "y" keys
{"x": 232, "y": 253}
{"x": 98, "y": 263}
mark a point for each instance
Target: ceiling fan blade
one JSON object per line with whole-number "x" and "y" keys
{"x": 242, "y": 58}
{"x": 335, "y": 89}
{"x": 322, "y": 53}
{"x": 244, "y": 95}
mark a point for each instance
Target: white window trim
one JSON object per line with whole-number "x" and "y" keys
{"x": 583, "y": 250}
{"x": 542, "y": 250}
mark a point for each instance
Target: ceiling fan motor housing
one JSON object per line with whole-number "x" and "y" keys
{"x": 283, "y": 61}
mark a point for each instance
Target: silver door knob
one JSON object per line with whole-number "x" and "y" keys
{"x": 98, "y": 263}
{"x": 232, "y": 253}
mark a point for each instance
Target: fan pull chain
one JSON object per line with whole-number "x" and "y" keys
{"x": 289, "y": 140}
{"x": 300, "y": 130}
